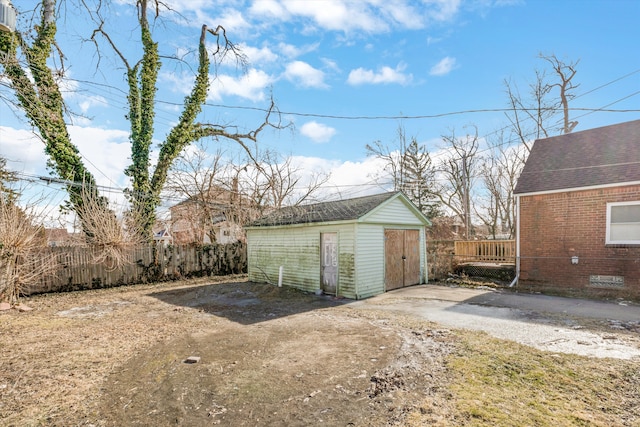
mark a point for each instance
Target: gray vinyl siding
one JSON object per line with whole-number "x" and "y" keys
{"x": 423, "y": 256}
{"x": 393, "y": 212}
{"x": 297, "y": 250}
{"x": 346, "y": 262}
{"x": 370, "y": 260}
{"x": 361, "y": 257}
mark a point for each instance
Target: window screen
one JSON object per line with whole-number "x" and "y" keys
{"x": 623, "y": 223}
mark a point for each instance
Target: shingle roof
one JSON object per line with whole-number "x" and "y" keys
{"x": 341, "y": 210}
{"x": 601, "y": 156}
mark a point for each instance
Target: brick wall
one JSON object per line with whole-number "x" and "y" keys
{"x": 556, "y": 227}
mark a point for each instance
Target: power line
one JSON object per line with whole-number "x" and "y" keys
{"x": 422, "y": 116}
{"x": 379, "y": 117}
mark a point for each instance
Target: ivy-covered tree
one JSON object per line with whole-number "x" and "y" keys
{"x": 38, "y": 94}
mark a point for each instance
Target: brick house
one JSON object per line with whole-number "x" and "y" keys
{"x": 215, "y": 217}
{"x": 57, "y": 237}
{"x": 578, "y": 201}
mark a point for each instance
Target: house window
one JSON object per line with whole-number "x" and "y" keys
{"x": 623, "y": 223}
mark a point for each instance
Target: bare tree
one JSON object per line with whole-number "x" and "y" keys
{"x": 215, "y": 187}
{"x": 196, "y": 178}
{"x": 532, "y": 116}
{"x": 392, "y": 157}
{"x": 110, "y": 236}
{"x": 565, "y": 72}
{"x": 288, "y": 184}
{"x": 457, "y": 173}
{"x": 500, "y": 170}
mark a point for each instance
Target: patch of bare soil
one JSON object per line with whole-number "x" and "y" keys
{"x": 262, "y": 356}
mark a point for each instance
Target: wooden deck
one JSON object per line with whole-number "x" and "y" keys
{"x": 486, "y": 258}
{"x": 485, "y": 251}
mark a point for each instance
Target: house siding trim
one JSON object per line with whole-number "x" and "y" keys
{"x": 592, "y": 187}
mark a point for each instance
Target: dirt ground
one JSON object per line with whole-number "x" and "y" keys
{"x": 262, "y": 356}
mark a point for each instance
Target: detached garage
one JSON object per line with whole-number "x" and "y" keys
{"x": 353, "y": 248}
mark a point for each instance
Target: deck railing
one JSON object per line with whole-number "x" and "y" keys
{"x": 495, "y": 251}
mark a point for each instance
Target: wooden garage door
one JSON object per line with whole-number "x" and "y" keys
{"x": 393, "y": 262}
{"x": 402, "y": 258}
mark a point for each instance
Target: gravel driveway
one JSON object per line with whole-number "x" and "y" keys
{"x": 564, "y": 325}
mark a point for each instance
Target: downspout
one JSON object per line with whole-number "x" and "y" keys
{"x": 515, "y": 279}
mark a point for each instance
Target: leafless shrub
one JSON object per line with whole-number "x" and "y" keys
{"x": 22, "y": 261}
{"x": 109, "y": 238}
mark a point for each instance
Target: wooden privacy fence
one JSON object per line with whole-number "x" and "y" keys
{"x": 495, "y": 251}
{"x": 75, "y": 269}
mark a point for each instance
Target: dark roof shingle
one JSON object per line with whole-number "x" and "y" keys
{"x": 341, "y": 210}
{"x": 600, "y": 156}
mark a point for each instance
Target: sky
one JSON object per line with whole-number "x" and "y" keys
{"x": 343, "y": 73}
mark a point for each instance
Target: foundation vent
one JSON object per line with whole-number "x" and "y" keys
{"x": 600, "y": 281}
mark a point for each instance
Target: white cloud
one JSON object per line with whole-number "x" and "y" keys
{"x": 197, "y": 12}
{"x": 370, "y": 16}
{"x": 385, "y": 75}
{"x": 91, "y": 101}
{"x": 337, "y": 15}
{"x": 347, "y": 179}
{"x": 405, "y": 15}
{"x": 251, "y": 85}
{"x": 106, "y": 152}
{"x": 330, "y": 64}
{"x": 317, "y": 131}
{"x": 304, "y": 75}
{"x": 23, "y": 150}
{"x": 291, "y": 51}
{"x": 269, "y": 9}
{"x": 363, "y": 15}
{"x": 232, "y": 19}
{"x": 444, "y": 67}
{"x": 443, "y": 10}
{"x": 257, "y": 55}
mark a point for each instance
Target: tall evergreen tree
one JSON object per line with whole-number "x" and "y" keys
{"x": 419, "y": 178}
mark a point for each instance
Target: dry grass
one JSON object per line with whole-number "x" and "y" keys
{"x": 53, "y": 365}
{"x": 501, "y": 383}
{"x": 55, "y": 361}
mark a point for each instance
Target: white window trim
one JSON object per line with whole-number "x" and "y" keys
{"x": 608, "y": 240}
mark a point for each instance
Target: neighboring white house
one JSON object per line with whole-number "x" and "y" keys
{"x": 162, "y": 236}
{"x": 353, "y": 248}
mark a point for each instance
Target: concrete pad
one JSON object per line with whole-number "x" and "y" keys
{"x": 541, "y": 321}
